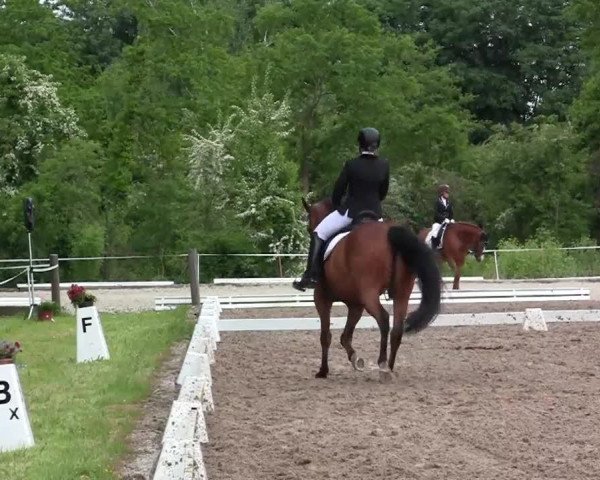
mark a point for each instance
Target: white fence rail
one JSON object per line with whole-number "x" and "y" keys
{"x": 288, "y": 281}
{"x": 109, "y": 285}
{"x": 458, "y": 296}
{"x": 278, "y": 256}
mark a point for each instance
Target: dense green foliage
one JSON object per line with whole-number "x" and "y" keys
{"x": 145, "y": 127}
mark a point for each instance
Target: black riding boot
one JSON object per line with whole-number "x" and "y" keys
{"x": 311, "y": 275}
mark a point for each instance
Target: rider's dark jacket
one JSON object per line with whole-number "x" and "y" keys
{"x": 366, "y": 179}
{"x": 441, "y": 211}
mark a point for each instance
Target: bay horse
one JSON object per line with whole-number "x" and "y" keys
{"x": 459, "y": 239}
{"x": 372, "y": 258}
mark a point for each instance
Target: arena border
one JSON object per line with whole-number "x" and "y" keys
{"x": 181, "y": 457}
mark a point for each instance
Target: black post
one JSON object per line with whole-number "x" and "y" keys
{"x": 55, "y": 279}
{"x": 194, "y": 282}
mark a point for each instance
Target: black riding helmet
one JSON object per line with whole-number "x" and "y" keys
{"x": 368, "y": 139}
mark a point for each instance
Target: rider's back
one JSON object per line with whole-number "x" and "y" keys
{"x": 367, "y": 179}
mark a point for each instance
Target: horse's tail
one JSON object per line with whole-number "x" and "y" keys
{"x": 420, "y": 261}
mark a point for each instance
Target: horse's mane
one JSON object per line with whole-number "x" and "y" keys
{"x": 469, "y": 224}
{"x": 326, "y": 202}
{"x": 474, "y": 229}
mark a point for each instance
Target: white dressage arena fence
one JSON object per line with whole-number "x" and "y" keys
{"x": 288, "y": 281}
{"x": 18, "y": 301}
{"x": 185, "y": 432}
{"x": 450, "y": 296}
{"x": 108, "y": 285}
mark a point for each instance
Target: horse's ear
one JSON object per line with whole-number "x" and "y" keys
{"x": 305, "y": 205}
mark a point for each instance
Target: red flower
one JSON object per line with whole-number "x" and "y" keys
{"x": 78, "y": 295}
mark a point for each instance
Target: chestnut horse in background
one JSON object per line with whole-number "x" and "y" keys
{"x": 459, "y": 239}
{"x": 372, "y": 258}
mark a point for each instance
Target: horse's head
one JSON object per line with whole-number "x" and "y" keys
{"x": 481, "y": 238}
{"x": 473, "y": 237}
{"x": 317, "y": 212}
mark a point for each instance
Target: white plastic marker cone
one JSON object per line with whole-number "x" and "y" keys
{"x": 15, "y": 430}
{"x": 534, "y": 320}
{"x": 201, "y": 344}
{"x": 180, "y": 461}
{"x": 186, "y": 423}
{"x": 91, "y": 344}
{"x": 195, "y": 365}
{"x": 197, "y": 389}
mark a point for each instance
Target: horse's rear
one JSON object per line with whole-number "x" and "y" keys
{"x": 360, "y": 266}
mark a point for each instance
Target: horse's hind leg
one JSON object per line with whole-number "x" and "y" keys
{"x": 401, "y": 298}
{"x": 354, "y": 315}
{"x": 323, "y": 304}
{"x": 375, "y": 309}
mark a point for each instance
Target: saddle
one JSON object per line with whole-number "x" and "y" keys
{"x": 365, "y": 216}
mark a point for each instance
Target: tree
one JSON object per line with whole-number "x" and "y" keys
{"x": 515, "y": 59}
{"x": 539, "y": 181}
{"x": 243, "y": 165}
{"x": 342, "y": 73}
{"x": 32, "y": 121}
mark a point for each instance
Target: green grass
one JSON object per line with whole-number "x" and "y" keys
{"x": 81, "y": 413}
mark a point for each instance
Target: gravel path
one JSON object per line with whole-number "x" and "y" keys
{"x": 139, "y": 299}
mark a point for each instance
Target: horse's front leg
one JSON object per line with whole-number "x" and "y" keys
{"x": 457, "y": 269}
{"x": 452, "y": 264}
{"x": 323, "y": 304}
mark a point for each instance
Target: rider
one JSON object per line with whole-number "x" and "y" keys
{"x": 443, "y": 214}
{"x": 366, "y": 180}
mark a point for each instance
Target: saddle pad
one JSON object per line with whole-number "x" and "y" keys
{"x": 332, "y": 244}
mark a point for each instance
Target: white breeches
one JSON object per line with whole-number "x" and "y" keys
{"x": 435, "y": 228}
{"x": 333, "y": 223}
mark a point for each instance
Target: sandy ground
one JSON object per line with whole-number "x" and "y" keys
{"x": 477, "y": 402}
{"x": 469, "y": 402}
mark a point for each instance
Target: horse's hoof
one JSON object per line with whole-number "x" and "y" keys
{"x": 357, "y": 362}
{"x": 321, "y": 374}
{"x": 385, "y": 376}
{"x": 385, "y": 373}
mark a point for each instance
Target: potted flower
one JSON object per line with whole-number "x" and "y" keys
{"x": 8, "y": 350}
{"x": 79, "y": 297}
{"x": 47, "y": 310}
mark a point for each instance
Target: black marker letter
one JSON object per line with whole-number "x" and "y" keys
{"x": 85, "y": 324}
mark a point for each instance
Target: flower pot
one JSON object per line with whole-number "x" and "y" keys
{"x": 46, "y": 315}
{"x": 86, "y": 303}
{"x": 6, "y": 361}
